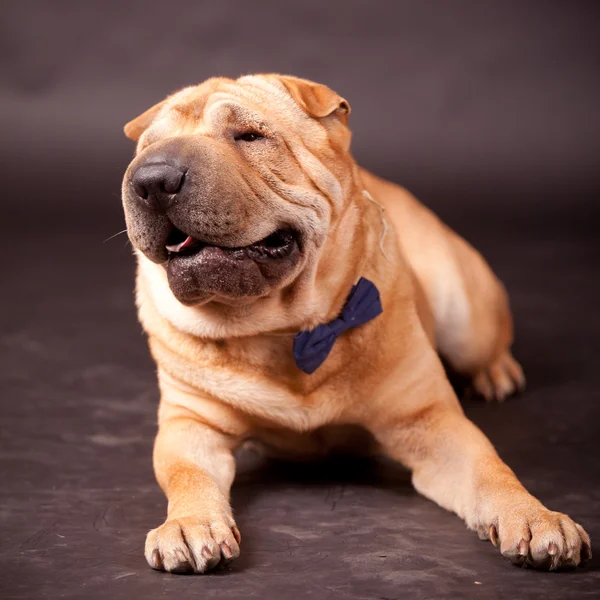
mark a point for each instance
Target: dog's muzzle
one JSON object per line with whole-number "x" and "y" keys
{"x": 191, "y": 206}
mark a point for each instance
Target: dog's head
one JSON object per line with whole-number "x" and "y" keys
{"x": 236, "y": 184}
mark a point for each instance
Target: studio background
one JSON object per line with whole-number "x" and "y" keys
{"x": 487, "y": 111}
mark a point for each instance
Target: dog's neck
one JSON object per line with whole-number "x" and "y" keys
{"x": 350, "y": 252}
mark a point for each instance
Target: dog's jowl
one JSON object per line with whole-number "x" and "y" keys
{"x": 288, "y": 294}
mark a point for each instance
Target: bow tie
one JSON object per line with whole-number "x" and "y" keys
{"x": 311, "y": 348}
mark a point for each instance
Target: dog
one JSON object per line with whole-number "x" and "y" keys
{"x": 291, "y": 299}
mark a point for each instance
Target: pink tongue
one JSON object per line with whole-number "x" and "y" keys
{"x": 189, "y": 241}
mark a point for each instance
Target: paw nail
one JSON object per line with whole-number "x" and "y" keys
{"x": 552, "y": 549}
{"x": 570, "y": 553}
{"x": 156, "y": 561}
{"x": 226, "y": 550}
{"x": 493, "y": 535}
{"x": 206, "y": 553}
{"x": 523, "y": 548}
{"x": 236, "y": 534}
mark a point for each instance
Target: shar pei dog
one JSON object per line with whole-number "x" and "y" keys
{"x": 293, "y": 299}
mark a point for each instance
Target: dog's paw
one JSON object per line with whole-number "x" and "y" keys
{"x": 501, "y": 379}
{"x": 192, "y": 544}
{"x": 541, "y": 538}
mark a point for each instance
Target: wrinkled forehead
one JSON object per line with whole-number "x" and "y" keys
{"x": 216, "y": 103}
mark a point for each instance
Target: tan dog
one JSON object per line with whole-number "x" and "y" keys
{"x": 251, "y": 222}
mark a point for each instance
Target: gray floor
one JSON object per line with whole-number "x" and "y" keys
{"x": 78, "y": 418}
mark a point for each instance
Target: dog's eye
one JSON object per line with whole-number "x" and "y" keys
{"x": 249, "y": 136}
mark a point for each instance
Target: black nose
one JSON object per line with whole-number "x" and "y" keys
{"x": 157, "y": 185}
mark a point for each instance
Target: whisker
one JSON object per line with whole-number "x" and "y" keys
{"x": 114, "y": 236}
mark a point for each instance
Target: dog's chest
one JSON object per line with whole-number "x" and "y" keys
{"x": 258, "y": 380}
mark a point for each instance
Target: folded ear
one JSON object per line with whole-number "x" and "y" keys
{"x": 134, "y": 129}
{"x": 317, "y": 100}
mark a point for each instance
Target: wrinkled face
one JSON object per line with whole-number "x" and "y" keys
{"x": 235, "y": 184}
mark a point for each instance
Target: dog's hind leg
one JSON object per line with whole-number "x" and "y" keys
{"x": 473, "y": 324}
{"x": 471, "y": 319}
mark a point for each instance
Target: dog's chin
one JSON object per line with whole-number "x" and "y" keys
{"x": 199, "y": 272}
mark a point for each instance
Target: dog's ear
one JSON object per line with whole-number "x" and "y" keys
{"x": 134, "y": 129}
{"x": 317, "y": 100}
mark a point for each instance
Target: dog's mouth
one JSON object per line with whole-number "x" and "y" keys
{"x": 276, "y": 246}
{"x": 199, "y": 271}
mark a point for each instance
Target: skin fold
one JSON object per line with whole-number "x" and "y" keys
{"x": 223, "y": 344}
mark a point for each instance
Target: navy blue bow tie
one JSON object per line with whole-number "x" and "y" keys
{"x": 311, "y": 348}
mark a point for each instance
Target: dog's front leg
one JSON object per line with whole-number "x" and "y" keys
{"x": 455, "y": 465}
{"x": 194, "y": 466}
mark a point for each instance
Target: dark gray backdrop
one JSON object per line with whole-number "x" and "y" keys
{"x": 488, "y": 111}
{"x": 447, "y": 96}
